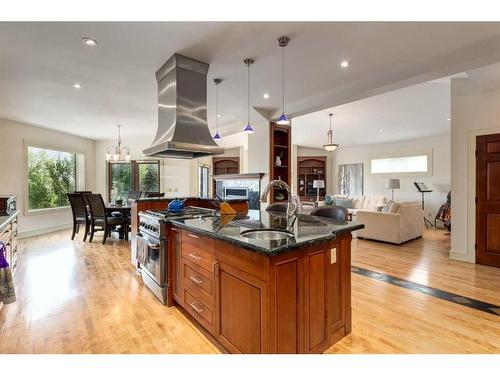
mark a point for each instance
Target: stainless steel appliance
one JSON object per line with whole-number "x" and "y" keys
{"x": 8, "y": 205}
{"x": 182, "y": 111}
{"x": 235, "y": 192}
{"x": 152, "y": 247}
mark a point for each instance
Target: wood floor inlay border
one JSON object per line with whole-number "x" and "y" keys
{"x": 430, "y": 291}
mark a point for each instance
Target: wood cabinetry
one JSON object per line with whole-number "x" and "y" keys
{"x": 310, "y": 168}
{"x": 280, "y": 147}
{"x": 296, "y": 302}
{"x": 8, "y": 235}
{"x": 226, "y": 165}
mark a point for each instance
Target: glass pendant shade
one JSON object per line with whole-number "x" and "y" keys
{"x": 248, "y": 129}
{"x": 217, "y": 136}
{"x": 283, "y": 120}
{"x": 330, "y": 147}
{"x": 128, "y": 157}
{"x": 108, "y": 157}
{"x": 116, "y": 157}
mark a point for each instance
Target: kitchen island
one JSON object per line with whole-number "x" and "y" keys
{"x": 291, "y": 294}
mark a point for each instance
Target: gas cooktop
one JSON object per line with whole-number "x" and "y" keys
{"x": 187, "y": 212}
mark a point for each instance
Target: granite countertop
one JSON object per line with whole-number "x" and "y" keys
{"x": 4, "y": 220}
{"x": 307, "y": 230}
{"x": 181, "y": 198}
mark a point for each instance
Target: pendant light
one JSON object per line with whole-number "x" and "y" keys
{"x": 330, "y": 146}
{"x": 217, "y": 136}
{"x": 283, "y": 42}
{"x": 118, "y": 150}
{"x": 248, "y": 129}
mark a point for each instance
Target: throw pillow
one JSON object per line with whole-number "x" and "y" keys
{"x": 394, "y": 208}
{"x": 387, "y": 207}
{"x": 329, "y": 201}
{"x": 346, "y": 203}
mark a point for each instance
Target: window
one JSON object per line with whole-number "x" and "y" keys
{"x": 203, "y": 177}
{"x": 51, "y": 175}
{"x": 134, "y": 176}
{"x": 406, "y": 164}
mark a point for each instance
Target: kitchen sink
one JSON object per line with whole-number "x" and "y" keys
{"x": 266, "y": 234}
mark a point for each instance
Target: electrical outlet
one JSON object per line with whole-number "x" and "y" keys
{"x": 333, "y": 255}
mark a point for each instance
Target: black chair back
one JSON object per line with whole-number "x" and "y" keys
{"x": 153, "y": 194}
{"x": 82, "y": 192}
{"x": 78, "y": 206}
{"x": 132, "y": 195}
{"x": 277, "y": 207}
{"x": 334, "y": 212}
{"x": 97, "y": 207}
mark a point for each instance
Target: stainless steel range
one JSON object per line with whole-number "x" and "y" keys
{"x": 152, "y": 247}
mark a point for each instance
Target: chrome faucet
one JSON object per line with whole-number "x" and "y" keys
{"x": 292, "y": 205}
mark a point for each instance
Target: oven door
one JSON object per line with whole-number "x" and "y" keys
{"x": 151, "y": 255}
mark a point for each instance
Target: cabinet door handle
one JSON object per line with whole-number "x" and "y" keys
{"x": 175, "y": 229}
{"x": 196, "y": 279}
{"x": 196, "y": 308}
{"x": 193, "y": 235}
{"x": 195, "y": 256}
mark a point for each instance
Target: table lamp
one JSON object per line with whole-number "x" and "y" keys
{"x": 392, "y": 183}
{"x": 318, "y": 184}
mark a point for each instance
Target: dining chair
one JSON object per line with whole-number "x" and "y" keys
{"x": 99, "y": 219}
{"x": 334, "y": 212}
{"x": 133, "y": 195}
{"x": 153, "y": 194}
{"x": 80, "y": 213}
{"x": 277, "y": 207}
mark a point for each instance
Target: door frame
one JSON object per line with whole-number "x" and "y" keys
{"x": 470, "y": 256}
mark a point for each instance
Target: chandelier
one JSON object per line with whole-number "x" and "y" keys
{"x": 330, "y": 146}
{"x": 116, "y": 151}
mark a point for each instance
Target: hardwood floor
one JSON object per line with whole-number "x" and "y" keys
{"x": 76, "y": 297}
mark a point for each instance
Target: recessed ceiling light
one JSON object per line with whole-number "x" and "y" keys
{"x": 448, "y": 119}
{"x": 77, "y": 86}
{"x": 266, "y": 96}
{"x": 219, "y": 115}
{"x": 344, "y": 64}
{"x": 89, "y": 41}
{"x": 380, "y": 131}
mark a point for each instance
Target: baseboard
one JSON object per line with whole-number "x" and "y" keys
{"x": 38, "y": 232}
{"x": 455, "y": 255}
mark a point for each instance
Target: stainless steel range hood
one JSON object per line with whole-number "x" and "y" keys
{"x": 182, "y": 111}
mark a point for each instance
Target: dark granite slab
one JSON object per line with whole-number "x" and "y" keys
{"x": 5, "y": 220}
{"x": 307, "y": 230}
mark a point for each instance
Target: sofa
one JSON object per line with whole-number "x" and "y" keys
{"x": 402, "y": 224}
{"x": 367, "y": 203}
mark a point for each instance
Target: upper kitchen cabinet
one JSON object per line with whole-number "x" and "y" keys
{"x": 279, "y": 163}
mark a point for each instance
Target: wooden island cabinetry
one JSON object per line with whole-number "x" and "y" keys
{"x": 294, "y": 302}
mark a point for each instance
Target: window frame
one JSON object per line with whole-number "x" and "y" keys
{"x": 78, "y": 177}
{"x": 428, "y": 153}
{"x": 134, "y": 177}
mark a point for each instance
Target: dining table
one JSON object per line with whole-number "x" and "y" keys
{"x": 123, "y": 209}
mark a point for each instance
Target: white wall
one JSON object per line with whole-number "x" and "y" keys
{"x": 13, "y": 170}
{"x": 374, "y": 185}
{"x": 473, "y": 112}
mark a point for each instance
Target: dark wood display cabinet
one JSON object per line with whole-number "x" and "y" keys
{"x": 226, "y": 165}
{"x": 279, "y": 163}
{"x": 310, "y": 168}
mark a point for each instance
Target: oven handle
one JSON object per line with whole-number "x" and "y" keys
{"x": 154, "y": 246}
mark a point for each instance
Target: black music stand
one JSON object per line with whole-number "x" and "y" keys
{"x": 422, "y": 189}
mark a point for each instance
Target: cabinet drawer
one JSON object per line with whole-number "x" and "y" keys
{"x": 202, "y": 243}
{"x": 200, "y": 311}
{"x": 194, "y": 250}
{"x": 199, "y": 282}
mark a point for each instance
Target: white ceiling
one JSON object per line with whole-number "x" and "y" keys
{"x": 417, "y": 111}
{"x": 40, "y": 62}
